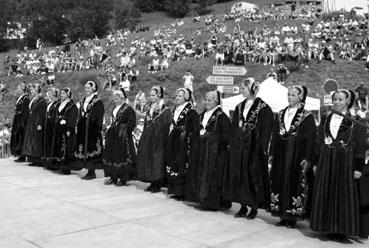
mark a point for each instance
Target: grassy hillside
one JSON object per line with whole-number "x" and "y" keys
{"x": 348, "y": 74}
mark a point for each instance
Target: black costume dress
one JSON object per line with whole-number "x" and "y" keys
{"x": 212, "y": 161}
{"x": 150, "y": 152}
{"x": 51, "y": 112}
{"x": 119, "y": 154}
{"x": 364, "y": 201}
{"x": 63, "y": 145}
{"x": 335, "y": 205}
{"x": 180, "y": 150}
{"x": 248, "y": 167}
{"x": 364, "y": 194}
{"x": 33, "y": 146}
{"x": 19, "y": 125}
{"x": 289, "y": 148}
{"x": 89, "y": 139}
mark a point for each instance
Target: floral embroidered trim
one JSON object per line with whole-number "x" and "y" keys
{"x": 126, "y": 163}
{"x": 253, "y": 117}
{"x": 180, "y": 117}
{"x": 295, "y": 125}
{"x": 80, "y": 153}
{"x": 94, "y": 100}
{"x": 274, "y": 199}
{"x": 331, "y": 142}
{"x": 298, "y": 203}
{"x": 63, "y": 150}
{"x": 214, "y": 117}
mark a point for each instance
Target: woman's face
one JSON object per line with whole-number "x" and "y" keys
{"x": 245, "y": 91}
{"x": 50, "y": 96}
{"x": 63, "y": 95}
{"x": 154, "y": 96}
{"x": 340, "y": 102}
{"x": 293, "y": 97}
{"x": 118, "y": 99}
{"x": 210, "y": 101}
{"x": 33, "y": 92}
{"x": 180, "y": 98}
{"x": 19, "y": 89}
{"x": 88, "y": 90}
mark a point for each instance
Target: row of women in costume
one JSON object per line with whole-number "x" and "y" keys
{"x": 211, "y": 160}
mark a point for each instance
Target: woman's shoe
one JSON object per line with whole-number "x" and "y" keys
{"x": 252, "y": 214}
{"x": 242, "y": 213}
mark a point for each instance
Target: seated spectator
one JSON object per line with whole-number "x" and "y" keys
{"x": 164, "y": 64}
{"x": 154, "y": 65}
{"x": 199, "y": 53}
{"x": 326, "y": 52}
{"x": 219, "y": 57}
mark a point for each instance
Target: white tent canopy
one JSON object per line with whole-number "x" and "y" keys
{"x": 244, "y": 7}
{"x": 360, "y": 6}
{"x": 274, "y": 94}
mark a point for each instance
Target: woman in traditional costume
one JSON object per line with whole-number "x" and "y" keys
{"x": 150, "y": 152}
{"x": 212, "y": 154}
{"x": 291, "y": 149}
{"x": 119, "y": 156}
{"x": 52, "y": 95}
{"x": 19, "y": 122}
{"x": 33, "y": 147}
{"x": 179, "y": 147}
{"x": 89, "y": 131}
{"x": 340, "y": 157}
{"x": 64, "y": 134}
{"x": 364, "y": 199}
{"x": 252, "y": 125}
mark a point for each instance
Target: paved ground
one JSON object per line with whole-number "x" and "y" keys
{"x": 41, "y": 209}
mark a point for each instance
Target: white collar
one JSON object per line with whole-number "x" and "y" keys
{"x": 207, "y": 116}
{"x": 181, "y": 107}
{"x": 89, "y": 98}
{"x": 63, "y": 104}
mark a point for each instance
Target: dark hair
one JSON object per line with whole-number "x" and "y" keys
{"x": 67, "y": 91}
{"x": 302, "y": 91}
{"x": 349, "y": 94}
{"x": 124, "y": 92}
{"x": 218, "y": 97}
{"x": 93, "y": 85}
{"x": 159, "y": 90}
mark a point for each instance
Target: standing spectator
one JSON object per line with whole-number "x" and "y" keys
{"x": 39, "y": 44}
{"x": 188, "y": 81}
{"x": 282, "y": 74}
{"x": 361, "y": 105}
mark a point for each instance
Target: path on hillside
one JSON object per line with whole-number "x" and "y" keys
{"x": 41, "y": 209}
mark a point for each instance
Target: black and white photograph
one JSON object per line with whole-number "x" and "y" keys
{"x": 184, "y": 123}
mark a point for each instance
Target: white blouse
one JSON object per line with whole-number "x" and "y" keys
{"x": 207, "y": 116}
{"x": 88, "y": 100}
{"x": 49, "y": 105}
{"x": 63, "y": 104}
{"x": 178, "y": 111}
{"x": 30, "y": 104}
{"x": 20, "y": 98}
{"x": 335, "y": 124}
{"x": 288, "y": 117}
{"x": 248, "y": 105}
{"x": 116, "y": 109}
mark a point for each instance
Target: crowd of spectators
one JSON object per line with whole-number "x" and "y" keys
{"x": 230, "y": 42}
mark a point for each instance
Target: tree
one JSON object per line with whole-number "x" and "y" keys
{"x": 125, "y": 14}
{"x": 177, "y": 8}
{"x": 6, "y": 15}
